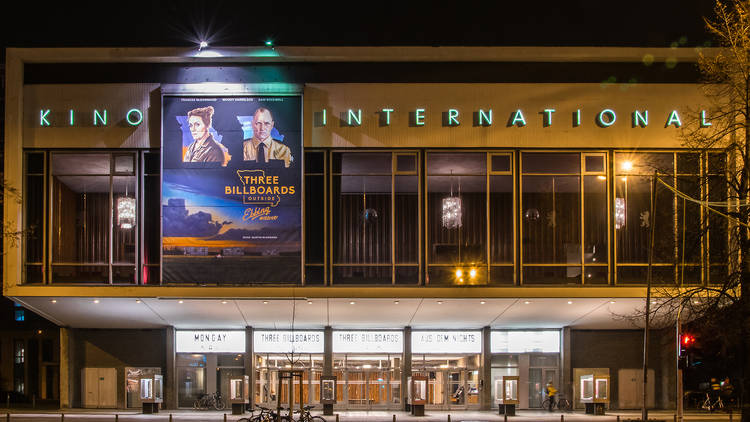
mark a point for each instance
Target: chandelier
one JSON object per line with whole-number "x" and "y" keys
{"x": 451, "y": 216}
{"x": 126, "y": 212}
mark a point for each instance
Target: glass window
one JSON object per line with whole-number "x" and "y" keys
{"x": 633, "y": 218}
{"x": 457, "y": 218}
{"x": 315, "y": 218}
{"x": 94, "y": 218}
{"x": 151, "y": 199}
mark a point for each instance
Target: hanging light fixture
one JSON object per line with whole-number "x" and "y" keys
{"x": 126, "y": 212}
{"x": 452, "y": 208}
{"x": 368, "y": 215}
{"x": 619, "y": 213}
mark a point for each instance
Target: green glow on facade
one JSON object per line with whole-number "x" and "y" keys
{"x": 325, "y": 117}
{"x": 71, "y": 120}
{"x": 98, "y": 117}
{"x": 577, "y": 118}
{"x": 547, "y": 121}
{"x": 387, "y": 112}
{"x": 609, "y": 122}
{"x": 674, "y": 119}
{"x": 485, "y": 118}
{"x": 453, "y": 117}
{"x": 704, "y": 122}
{"x": 354, "y": 119}
{"x": 419, "y": 117}
{"x": 518, "y": 119}
{"x": 640, "y": 119}
{"x": 43, "y": 117}
{"x": 137, "y": 113}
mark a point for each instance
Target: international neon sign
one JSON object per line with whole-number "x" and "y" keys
{"x": 603, "y": 118}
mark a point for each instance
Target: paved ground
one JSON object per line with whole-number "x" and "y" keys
{"x": 83, "y": 415}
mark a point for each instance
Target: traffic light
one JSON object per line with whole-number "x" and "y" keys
{"x": 687, "y": 341}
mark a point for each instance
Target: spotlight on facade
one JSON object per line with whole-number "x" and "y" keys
{"x": 269, "y": 43}
{"x": 202, "y": 45}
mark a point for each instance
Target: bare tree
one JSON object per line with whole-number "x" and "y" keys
{"x": 720, "y": 136}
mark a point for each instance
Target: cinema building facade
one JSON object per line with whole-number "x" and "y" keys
{"x": 368, "y": 213}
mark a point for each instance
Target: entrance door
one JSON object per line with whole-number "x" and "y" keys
{"x": 436, "y": 390}
{"x": 630, "y": 388}
{"x": 378, "y": 389}
{"x": 456, "y": 389}
{"x": 356, "y": 389}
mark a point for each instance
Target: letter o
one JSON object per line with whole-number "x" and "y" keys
{"x": 606, "y": 123}
{"x": 134, "y": 122}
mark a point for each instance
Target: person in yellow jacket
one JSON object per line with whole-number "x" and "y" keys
{"x": 551, "y": 392}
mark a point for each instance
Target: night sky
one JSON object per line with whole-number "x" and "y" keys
{"x": 657, "y": 23}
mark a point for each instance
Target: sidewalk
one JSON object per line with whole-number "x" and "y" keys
{"x": 96, "y": 415}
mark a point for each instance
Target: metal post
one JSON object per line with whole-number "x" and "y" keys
{"x": 679, "y": 371}
{"x": 652, "y": 220}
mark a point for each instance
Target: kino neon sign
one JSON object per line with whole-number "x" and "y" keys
{"x": 452, "y": 117}
{"x": 133, "y": 117}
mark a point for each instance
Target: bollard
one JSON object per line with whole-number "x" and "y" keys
{"x": 225, "y": 417}
{"x": 33, "y": 401}
{"x": 337, "y": 417}
{"x": 730, "y": 415}
{"x": 505, "y": 418}
{"x": 62, "y": 417}
{"x": 394, "y": 418}
{"x": 7, "y": 417}
{"x": 117, "y": 417}
{"x": 675, "y": 417}
{"x": 562, "y": 418}
{"x": 449, "y": 417}
{"x": 618, "y": 418}
{"x": 170, "y": 417}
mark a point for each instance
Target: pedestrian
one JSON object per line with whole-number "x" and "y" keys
{"x": 551, "y": 392}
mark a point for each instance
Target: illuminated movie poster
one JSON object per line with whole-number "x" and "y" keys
{"x": 231, "y": 189}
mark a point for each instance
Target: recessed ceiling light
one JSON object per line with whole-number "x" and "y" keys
{"x": 39, "y": 331}
{"x": 526, "y": 302}
{"x": 180, "y": 301}
{"x": 440, "y": 302}
{"x": 611, "y": 301}
{"x": 482, "y": 302}
{"x": 570, "y": 302}
{"x": 395, "y": 302}
{"x": 352, "y": 302}
{"x": 696, "y": 302}
{"x": 53, "y": 300}
{"x": 265, "y": 302}
{"x": 309, "y": 302}
{"x": 96, "y": 300}
{"x": 137, "y": 301}
{"x": 653, "y": 302}
{"x": 224, "y": 302}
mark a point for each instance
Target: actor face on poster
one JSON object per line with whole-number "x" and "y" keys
{"x": 262, "y": 148}
{"x": 203, "y": 149}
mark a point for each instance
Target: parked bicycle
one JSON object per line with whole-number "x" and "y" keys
{"x": 266, "y": 415}
{"x": 562, "y": 404}
{"x": 306, "y": 416}
{"x": 209, "y": 401}
{"x": 712, "y": 403}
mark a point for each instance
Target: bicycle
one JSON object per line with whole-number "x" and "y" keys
{"x": 306, "y": 416}
{"x": 208, "y": 401}
{"x": 712, "y": 405}
{"x": 562, "y": 404}
{"x": 266, "y": 415}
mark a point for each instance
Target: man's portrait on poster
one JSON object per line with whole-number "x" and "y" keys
{"x": 262, "y": 148}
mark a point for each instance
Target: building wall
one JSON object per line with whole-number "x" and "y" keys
{"x": 114, "y": 349}
{"x": 623, "y": 349}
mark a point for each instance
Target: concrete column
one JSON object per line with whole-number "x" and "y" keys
{"x": 170, "y": 371}
{"x": 328, "y": 363}
{"x": 328, "y": 351}
{"x": 66, "y": 368}
{"x": 566, "y": 372}
{"x": 406, "y": 372}
{"x": 248, "y": 362}
{"x": 212, "y": 361}
{"x": 485, "y": 377}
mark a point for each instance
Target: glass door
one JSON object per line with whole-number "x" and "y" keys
{"x": 472, "y": 389}
{"x": 456, "y": 389}
{"x": 378, "y": 388}
{"x": 436, "y": 389}
{"x": 356, "y": 391}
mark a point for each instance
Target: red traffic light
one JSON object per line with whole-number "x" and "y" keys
{"x": 687, "y": 340}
